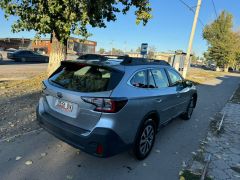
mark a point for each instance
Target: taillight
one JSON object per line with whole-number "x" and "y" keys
{"x": 109, "y": 105}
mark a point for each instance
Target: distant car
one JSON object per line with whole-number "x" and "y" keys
{"x": 11, "y": 50}
{"x": 230, "y": 69}
{"x": 213, "y": 67}
{"x": 27, "y": 56}
{"x": 95, "y": 57}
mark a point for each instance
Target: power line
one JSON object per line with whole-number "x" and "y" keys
{"x": 191, "y": 9}
{"x": 214, "y": 7}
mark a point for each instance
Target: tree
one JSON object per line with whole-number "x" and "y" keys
{"x": 237, "y": 50}
{"x": 61, "y": 18}
{"x": 194, "y": 59}
{"x": 138, "y": 50}
{"x": 116, "y": 51}
{"x": 101, "y": 50}
{"x": 220, "y": 38}
{"x": 151, "y": 52}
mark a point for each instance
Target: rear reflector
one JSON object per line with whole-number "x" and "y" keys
{"x": 99, "y": 149}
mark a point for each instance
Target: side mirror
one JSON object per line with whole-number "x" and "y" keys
{"x": 188, "y": 83}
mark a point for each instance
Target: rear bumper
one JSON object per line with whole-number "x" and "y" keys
{"x": 112, "y": 144}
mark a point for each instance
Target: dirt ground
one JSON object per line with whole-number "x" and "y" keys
{"x": 199, "y": 75}
{"x": 18, "y": 100}
{"x": 17, "y": 115}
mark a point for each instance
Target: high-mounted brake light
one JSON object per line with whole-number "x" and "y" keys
{"x": 108, "y": 105}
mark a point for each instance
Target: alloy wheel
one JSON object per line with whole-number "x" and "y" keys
{"x": 146, "y": 140}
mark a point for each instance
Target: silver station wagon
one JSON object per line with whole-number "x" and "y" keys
{"x": 107, "y": 107}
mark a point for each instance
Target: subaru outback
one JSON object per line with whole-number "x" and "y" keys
{"x": 107, "y": 107}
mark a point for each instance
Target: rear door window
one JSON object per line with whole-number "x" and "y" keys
{"x": 160, "y": 78}
{"x": 86, "y": 78}
{"x": 140, "y": 79}
{"x": 151, "y": 82}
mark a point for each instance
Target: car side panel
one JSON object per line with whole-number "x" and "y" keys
{"x": 126, "y": 122}
{"x": 164, "y": 100}
{"x": 183, "y": 95}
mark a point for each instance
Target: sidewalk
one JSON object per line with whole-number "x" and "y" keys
{"x": 223, "y": 146}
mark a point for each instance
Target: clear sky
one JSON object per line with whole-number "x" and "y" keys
{"x": 169, "y": 29}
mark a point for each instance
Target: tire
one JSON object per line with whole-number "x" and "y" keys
{"x": 188, "y": 114}
{"x": 145, "y": 140}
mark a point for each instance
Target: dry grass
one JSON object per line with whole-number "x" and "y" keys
{"x": 199, "y": 76}
{"x": 21, "y": 87}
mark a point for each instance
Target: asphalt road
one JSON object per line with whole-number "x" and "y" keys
{"x": 174, "y": 144}
{"x": 10, "y": 70}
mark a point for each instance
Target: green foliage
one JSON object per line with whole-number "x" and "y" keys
{"x": 116, "y": 51}
{"x": 101, "y": 50}
{"x": 194, "y": 58}
{"x": 138, "y": 50}
{"x": 221, "y": 40}
{"x": 237, "y": 50}
{"x": 63, "y": 17}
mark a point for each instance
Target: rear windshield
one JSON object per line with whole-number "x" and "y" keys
{"x": 86, "y": 78}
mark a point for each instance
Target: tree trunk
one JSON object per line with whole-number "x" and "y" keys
{"x": 57, "y": 54}
{"x": 218, "y": 69}
{"x": 225, "y": 68}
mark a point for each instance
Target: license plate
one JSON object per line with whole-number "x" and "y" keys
{"x": 64, "y": 105}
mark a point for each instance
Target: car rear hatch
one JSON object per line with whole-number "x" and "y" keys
{"x": 74, "y": 91}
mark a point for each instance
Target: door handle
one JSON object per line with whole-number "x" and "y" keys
{"x": 158, "y": 100}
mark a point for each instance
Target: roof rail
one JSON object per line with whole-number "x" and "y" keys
{"x": 109, "y": 56}
{"x": 143, "y": 61}
{"x": 126, "y": 60}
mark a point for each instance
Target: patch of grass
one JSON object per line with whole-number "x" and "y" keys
{"x": 214, "y": 124}
{"x": 188, "y": 175}
{"x": 21, "y": 87}
{"x": 199, "y": 76}
{"x": 199, "y": 156}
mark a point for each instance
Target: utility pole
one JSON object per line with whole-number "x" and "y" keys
{"x": 111, "y": 45}
{"x": 125, "y": 47}
{"x": 186, "y": 62}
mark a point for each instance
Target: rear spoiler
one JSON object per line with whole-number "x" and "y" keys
{"x": 76, "y": 64}
{"x": 82, "y": 63}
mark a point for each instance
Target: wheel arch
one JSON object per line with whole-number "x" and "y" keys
{"x": 195, "y": 96}
{"x": 154, "y": 116}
